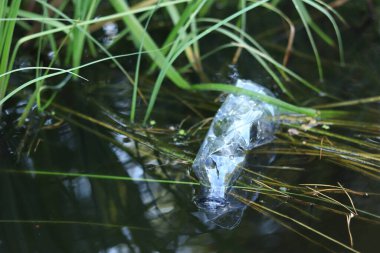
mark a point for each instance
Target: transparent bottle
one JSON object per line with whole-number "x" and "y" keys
{"x": 242, "y": 123}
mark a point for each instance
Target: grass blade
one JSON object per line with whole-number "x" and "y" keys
{"x": 149, "y": 45}
{"x": 304, "y": 15}
{"x": 6, "y": 41}
{"x": 183, "y": 46}
{"x": 334, "y": 24}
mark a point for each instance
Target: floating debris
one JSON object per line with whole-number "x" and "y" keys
{"x": 242, "y": 123}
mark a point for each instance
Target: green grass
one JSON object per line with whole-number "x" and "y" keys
{"x": 184, "y": 38}
{"x": 6, "y": 35}
{"x": 173, "y": 67}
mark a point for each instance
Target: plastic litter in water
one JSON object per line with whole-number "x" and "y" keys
{"x": 242, "y": 123}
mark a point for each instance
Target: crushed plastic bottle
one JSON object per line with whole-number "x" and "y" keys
{"x": 241, "y": 124}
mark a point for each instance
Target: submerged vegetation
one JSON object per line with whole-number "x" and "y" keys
{"x": 139, "y": 78}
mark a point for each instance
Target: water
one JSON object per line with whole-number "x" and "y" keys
{"x": 88, "y": 213}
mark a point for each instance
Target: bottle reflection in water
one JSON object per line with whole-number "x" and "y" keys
{"x": 242, "y": 123}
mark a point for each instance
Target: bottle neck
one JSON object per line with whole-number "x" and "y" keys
{"x": 211, "y": 198}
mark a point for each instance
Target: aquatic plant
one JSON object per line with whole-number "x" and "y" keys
{"x": 6, "y": 35}
{"x": 178, "y": 44}
{"x": 167, "y": 53}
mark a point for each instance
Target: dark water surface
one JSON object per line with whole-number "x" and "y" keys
{"x": 81, "y": 213}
